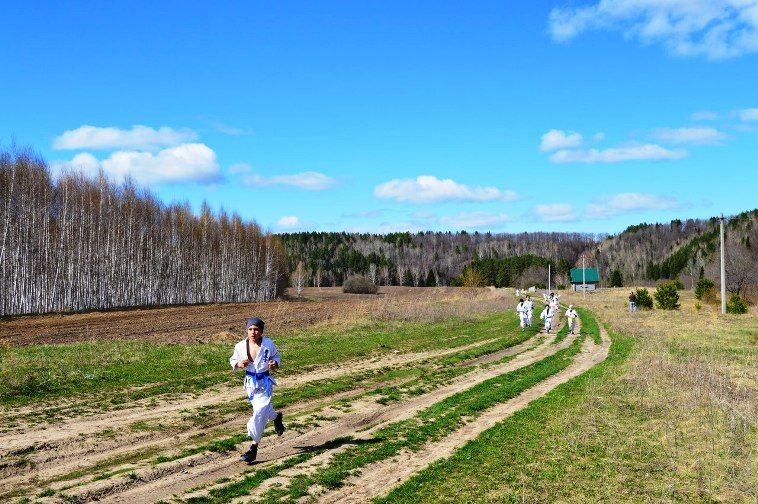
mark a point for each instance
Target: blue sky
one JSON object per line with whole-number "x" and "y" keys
{"x": 386, "y": 116}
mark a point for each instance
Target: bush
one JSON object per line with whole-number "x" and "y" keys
{"x": 678, "y": 283}
{"x": 736, "y": 304}
{"x": 644, "y": 300}
{"x": 471, "y": 277}
{"x": 359, "y": 285}
{"x": 703, "y": 286}
{"x": 561, "y": 287}
{"x": 666, "y": 296}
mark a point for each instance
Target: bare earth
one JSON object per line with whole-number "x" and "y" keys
{"x": 200, "y": 323}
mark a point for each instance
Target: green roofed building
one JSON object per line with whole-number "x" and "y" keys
{"x": 591, "y": 278}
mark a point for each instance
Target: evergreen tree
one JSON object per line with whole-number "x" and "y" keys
{"x": 616, "y": 279}
{"x": 431, "y": 281}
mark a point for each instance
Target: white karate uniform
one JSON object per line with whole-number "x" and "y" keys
{"x": 258, "y": 384}
{"x": 547, "y": 316}
{"x": 555, "y": 304}
{"x": 529, "y": 305}
{"x": 521, "y": 310}
{"x": 571, "y": 315}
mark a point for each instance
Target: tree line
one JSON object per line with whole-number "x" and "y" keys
{"x": 425, "y": 258}
{"x": 71, "y": 243}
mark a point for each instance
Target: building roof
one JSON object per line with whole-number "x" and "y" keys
{"x": 590, "y": 275}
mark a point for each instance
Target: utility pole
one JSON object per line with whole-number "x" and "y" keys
{"x": 723, "y": 268}
{"x": 548, "y": 277}
{"x": 584, "y": 286}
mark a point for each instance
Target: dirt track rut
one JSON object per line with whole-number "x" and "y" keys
{"x": 380, "y": 478}
{"x": 164, "y": 482}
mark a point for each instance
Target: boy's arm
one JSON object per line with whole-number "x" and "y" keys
{"x": 238, "y": 361}
{"x": 275, "y": 355}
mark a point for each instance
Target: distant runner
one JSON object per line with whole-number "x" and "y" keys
{"x": 258, "y": 355}
{"x": 529, "y": 305}
{"x": 521, "y": 310}
{"x": 547, "y": 316}
{"x": 571, "y": 316}
{"x": 554, "y": 303}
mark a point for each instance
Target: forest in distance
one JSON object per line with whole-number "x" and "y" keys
{"x": 72, "y": 243}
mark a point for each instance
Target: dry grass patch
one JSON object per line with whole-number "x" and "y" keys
{"x": 695, "y": 375}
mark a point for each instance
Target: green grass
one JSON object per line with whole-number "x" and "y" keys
{"x": 589, "y": 325}
{"x": 96, "y": 367}
{"x": 120, "y": 372}
{"x": 534, "y": 456}
{"x": 561, "y": 334}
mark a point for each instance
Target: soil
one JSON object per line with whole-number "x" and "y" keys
{"x": 203, "y": 323}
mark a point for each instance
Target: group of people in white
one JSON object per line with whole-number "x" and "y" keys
{"x": 525, "y": 308}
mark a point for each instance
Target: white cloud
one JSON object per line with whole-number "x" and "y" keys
{"x": 184, "y": 163}
{"x": 649, "y": 152}
{"x": 558, "y": 139}
{"x": 716, "y": 29}
{"x": 239, "y": 168}
{"x": 704, "y": 115}
{"x": 84, "y": 162}
{"x": 139, "y": 137}
{"x": 598, "y": 137}
{"x": 288, "y": 222}
{"x": 430, "y": 189}
{"x": 698, "y": 135}
{"x": 556, "y": 212}
{"x": 750, "y": 114}
{"x": 231, "y": 130}
{"x": 629, "y": 202}
{"x": 309, "y": 181}
{"x": 474, "y": 220}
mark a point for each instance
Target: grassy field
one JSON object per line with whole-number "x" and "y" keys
{"x": 669, "y": 416}
{"x": 135, "y": 369}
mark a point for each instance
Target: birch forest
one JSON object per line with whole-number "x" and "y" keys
{"x": 72, "y": 243}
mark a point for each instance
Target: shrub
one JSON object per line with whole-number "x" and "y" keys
{"x": 359, "y": 285}
{"x": 644, "y": 300}
{"x": 616, "y": 279}
{"x": 561, "y": 287}
{"x": 736, "y": 304}
{"x": 678, "y": 283}
{"x": 666, "y": 296}
{"x": 703, "y": 286}
{"x": 471, "y": 277}
{"x": 698, "y": 306}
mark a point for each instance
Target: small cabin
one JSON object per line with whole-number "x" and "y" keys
{"x": 590, "y": 280}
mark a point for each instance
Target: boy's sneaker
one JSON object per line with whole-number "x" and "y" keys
{"x": 278, "y": 424}
{"x": 250, "y": 455}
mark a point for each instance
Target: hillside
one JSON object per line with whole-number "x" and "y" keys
{"x": 683, "y": 249}
{"x": 643, "y": 253}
